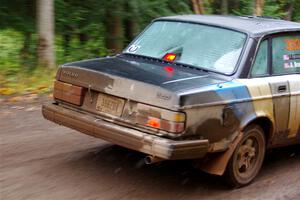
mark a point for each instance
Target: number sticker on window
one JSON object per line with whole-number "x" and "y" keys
{"x": 292, "y": 44}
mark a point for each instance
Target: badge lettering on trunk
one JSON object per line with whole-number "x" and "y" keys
{"x": 163, "y": 96}
{"x": 70, "y": 74}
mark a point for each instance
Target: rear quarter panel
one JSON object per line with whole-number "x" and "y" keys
{"x": 218, "y": 113}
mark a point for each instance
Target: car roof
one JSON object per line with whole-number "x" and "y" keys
{"x": 254, "y": 26}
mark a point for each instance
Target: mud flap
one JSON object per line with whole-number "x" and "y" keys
{"x": 216, "y": 163}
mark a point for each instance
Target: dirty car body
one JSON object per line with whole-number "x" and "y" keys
{"x": 191, "y": 94}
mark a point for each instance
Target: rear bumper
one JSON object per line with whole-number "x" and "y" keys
{"x": 126, "y": 137}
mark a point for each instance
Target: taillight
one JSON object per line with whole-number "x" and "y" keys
{"x": 68, "y": 92}
{"x": 170, "y": 121}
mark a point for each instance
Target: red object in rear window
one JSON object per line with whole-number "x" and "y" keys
{"x": 170, "y": 57}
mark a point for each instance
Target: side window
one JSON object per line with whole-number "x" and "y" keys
{"x": 260, "y": 66}
{"x": 286, "y": 54}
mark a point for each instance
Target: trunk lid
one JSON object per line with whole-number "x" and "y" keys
{"x": 137, "y": 79}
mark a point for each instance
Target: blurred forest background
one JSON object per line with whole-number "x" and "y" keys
{"x": 37, "y": 35}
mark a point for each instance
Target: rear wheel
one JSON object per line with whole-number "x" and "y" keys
{"x": 247, "y": 158}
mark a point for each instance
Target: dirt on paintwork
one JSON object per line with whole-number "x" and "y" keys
{"x": 41, "y": 160}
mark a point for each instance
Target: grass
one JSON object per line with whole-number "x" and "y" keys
{"x": 19, "y": 76}
{"x": 38, "y": 81}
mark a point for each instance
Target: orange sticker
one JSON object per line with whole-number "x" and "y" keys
{"x": 292, "y": 44}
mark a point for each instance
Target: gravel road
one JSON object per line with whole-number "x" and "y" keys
{"x": 41, "y": 160}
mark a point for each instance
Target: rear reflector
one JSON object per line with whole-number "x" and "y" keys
{"x": 68, "y": 92}
{"x": 153, "y": 122}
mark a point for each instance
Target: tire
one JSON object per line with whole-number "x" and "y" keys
{"x": 247, "y": 158}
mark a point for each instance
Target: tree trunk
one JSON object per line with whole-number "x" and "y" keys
{"x": 224, "y": 8}
{"x": 45, "y": 23}
{"x": 24, "y": 53}
{"x": 66, "y": 43}
{"x": 258, "y": 8}
{"x": 131, "y": 28}
{"x": 198, "y": 6}
{"x": 114, "y": 27}
{"x": 289, "y": 12}
{"x": 131, "y": 22}
{"x": 83, "y": 38}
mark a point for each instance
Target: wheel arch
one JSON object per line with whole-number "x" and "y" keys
{"x": 217, "y": 164}
{"x": 265, "y": 123}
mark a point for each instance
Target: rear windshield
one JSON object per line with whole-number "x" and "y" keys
{"x": 202, "y": 46}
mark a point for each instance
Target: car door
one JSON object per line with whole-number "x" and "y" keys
{"x": 276, "y": 64}
{"x": 286, "y": 67}
{"x": 294, "y": 122}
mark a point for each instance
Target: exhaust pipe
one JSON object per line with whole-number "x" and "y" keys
{"x": 152, "y": 159}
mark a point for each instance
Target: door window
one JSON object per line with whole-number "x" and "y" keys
{"x": 260, "y": 66}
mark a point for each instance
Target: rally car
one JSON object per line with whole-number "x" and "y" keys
{"x": 219, "y": 90}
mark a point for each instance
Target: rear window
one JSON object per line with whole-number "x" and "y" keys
{"x": 202, "y": 46}
{"x": 286, "y": 54}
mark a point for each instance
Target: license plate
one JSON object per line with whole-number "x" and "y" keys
{"x": 110, "y": 105}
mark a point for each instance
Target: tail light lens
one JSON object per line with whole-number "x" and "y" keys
{"x": 170, "y": 121}
{"x": 67, "y": 92}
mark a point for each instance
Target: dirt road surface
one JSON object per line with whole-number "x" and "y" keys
{"x": 41, "y": 160}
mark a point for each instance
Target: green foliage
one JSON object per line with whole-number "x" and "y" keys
{"x": 243, "y": 7}
{"x": 80, "y": 31}
{"x": 87, "y": 29}
{"x": 17, "y": 14}
{"x": 273, "y": 8}
{"x": 10, "y": 44}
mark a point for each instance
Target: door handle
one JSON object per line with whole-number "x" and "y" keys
{"x": 281, "y": 88}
